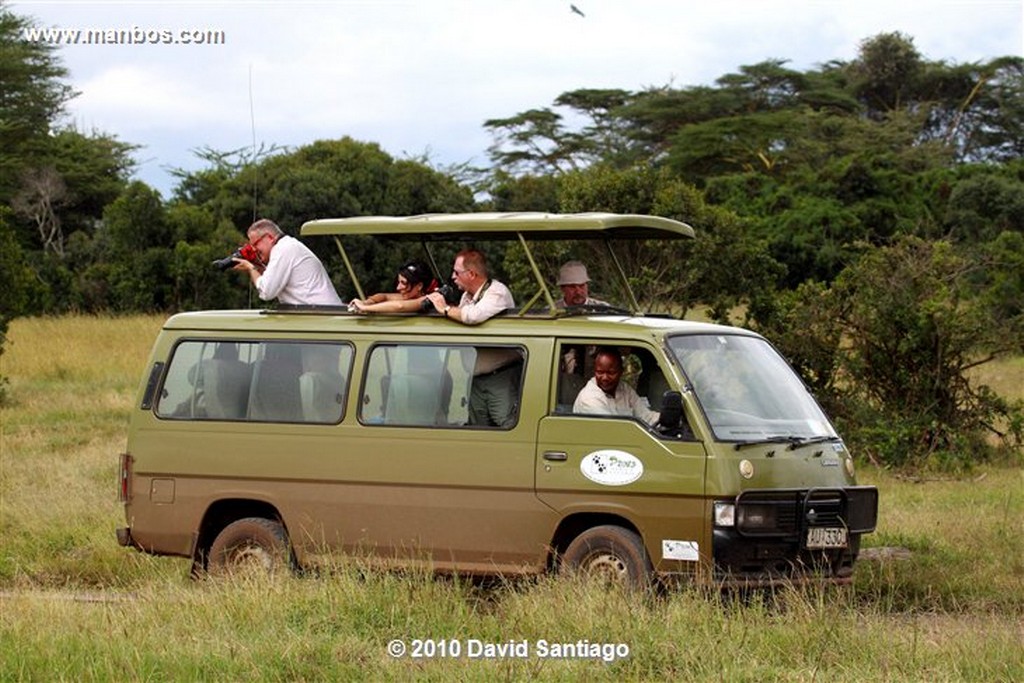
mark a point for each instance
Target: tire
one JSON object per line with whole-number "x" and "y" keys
{"x": 251, "y": 545}
{"x": 610, "y": 554}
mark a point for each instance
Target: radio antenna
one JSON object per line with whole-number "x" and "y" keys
{"x": 255, "y": 167}
{"x": 256, "y": 170}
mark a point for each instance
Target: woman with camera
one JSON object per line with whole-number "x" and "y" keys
{"x": 413, "y": 283}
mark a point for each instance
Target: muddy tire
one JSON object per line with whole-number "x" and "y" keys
{"x": 609, "y": 554}
{"x": 253, "y": 545}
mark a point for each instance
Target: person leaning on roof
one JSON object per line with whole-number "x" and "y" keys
{"x": 575, "y": 286}
{"x": 482, "y": 297}
{"x": 412, "y": 284}
{"x": 294, "y": 275}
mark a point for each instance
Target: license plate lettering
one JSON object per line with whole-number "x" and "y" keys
{"x": 826, "y": 537}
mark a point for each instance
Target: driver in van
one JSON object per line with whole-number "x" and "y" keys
{"x": 606, "y": 394}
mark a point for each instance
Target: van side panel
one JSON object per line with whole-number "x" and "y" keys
{"x": 665, "y": 502}
{"x": 458, "y": 497}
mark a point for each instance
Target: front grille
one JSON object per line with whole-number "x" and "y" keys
{"x": 788, "y": 512}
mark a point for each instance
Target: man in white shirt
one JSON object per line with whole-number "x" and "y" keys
{"x": 294, "y": 275}
{"x": 494, "y": 394}
{"x": 482, "y": 297}
{"x": 605, "y": 394}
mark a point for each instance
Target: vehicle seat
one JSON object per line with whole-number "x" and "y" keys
{"x": 656, "y": 388}
{"x": 569, "y": 386}
{"x": 413, "y": 400}
{"x": 321, "y": 395}
{"x": 275, "y": 386}
{"x": 226, "y": 385}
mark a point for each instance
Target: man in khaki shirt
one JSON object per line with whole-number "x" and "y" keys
{"x": 482, "y": 297}
{"x": 575, "y": 285}
{"x": 494, "y": 395}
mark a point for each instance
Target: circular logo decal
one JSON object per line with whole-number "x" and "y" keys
{"x": 611, "y": 468}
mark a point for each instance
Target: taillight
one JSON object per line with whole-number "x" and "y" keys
{"x": 124, "y": 478}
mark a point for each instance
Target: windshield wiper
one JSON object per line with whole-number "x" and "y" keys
{"x": 807, "y": 441}
{"x": 779, "y": 438}
{"x": 791, "y": 439}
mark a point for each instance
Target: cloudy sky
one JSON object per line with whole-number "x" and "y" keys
{"x": 421, "y": 76}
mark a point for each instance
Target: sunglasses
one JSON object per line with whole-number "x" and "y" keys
{"x": 259, "y": 239}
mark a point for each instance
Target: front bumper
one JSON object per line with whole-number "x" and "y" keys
{"x": 768, "y": 541}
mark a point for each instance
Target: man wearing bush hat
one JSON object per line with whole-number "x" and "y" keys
{"x": 574, "y": 283}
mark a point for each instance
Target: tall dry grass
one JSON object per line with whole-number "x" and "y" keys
{"x": 75, "y": 606}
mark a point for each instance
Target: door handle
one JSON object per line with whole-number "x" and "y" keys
{"x": 557, "y": 456}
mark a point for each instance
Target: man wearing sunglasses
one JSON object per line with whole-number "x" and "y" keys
{"x": 293, "y": 275}
{"x": 482, "y": 296}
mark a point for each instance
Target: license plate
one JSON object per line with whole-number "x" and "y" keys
{"x": 826, "y": 537}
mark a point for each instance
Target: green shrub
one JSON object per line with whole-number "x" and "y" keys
{"x": 890, "y": 349}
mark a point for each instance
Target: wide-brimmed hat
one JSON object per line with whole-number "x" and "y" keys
{"x": 572, "y": 273}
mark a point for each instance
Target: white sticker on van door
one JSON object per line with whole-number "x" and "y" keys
{"x": 611, "y": 468}
{"x": 685, "y": 551}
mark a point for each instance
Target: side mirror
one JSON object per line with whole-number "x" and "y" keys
{"x": 671, "y": 413}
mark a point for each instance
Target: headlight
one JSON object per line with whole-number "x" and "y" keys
{"x": 756, "y": 517}
{"x": 725, "y": 514}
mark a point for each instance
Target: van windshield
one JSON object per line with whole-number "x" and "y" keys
{"x": 748, "y": 392}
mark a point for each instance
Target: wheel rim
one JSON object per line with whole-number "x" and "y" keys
{"x": 250, "y": 556}
{"x": 608, "y": 567}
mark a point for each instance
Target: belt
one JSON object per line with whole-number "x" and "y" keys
{"x": 503, "y": 368}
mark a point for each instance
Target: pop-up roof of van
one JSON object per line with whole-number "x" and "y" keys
{"x": 498, "y": 226}
{"x": 525, "y": 227}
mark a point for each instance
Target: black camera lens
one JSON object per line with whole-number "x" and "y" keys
{"x": 228, "y": 261}
{"x": 450, "y": 293}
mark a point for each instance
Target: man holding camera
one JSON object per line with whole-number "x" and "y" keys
{"x": 494, "y": 393}
{"x": 293, "y": 275}
{"x": 482, "y": 297}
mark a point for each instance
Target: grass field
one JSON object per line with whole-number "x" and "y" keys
{"x": 76, "y": 606}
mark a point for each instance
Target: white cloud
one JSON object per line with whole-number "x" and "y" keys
{"x": 151, "y": 98}
{"x": 425, "y": 74}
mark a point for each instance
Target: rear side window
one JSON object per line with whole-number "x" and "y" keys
{"x": 268, "y": 381}
{"x": 422, "y": 385}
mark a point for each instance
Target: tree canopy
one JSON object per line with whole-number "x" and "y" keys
{"x": 862, "y": 213}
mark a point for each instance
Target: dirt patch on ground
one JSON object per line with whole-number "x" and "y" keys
{"x": 885, "y": 554}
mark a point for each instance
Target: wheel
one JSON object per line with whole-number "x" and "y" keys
{"x": 252, "y": 544}
{"x": 610, "y": 554}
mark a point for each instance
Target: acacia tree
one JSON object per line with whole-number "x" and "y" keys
{"x": 534, "y": 141}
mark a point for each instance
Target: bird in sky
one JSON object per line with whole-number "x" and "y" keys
{"x": 576, "y": 10}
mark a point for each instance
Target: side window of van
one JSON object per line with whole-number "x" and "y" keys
{"x": 269, "y": 381}
{"x": 640, "y": 371}
{"x": 425, "y": 385}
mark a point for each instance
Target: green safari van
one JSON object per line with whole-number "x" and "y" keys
{"x": 287, "y": 437}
